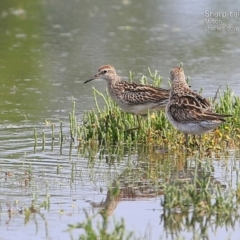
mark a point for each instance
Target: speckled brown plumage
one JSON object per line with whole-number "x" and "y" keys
{"x": 132, "y": 97}
{"x": 187, "y": 110}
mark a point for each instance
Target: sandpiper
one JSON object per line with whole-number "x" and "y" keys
{"x": 133, "y": 97}
{"x": 187, "y": 110}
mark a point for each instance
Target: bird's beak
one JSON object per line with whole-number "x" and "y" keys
{"x": 92, "y": 78}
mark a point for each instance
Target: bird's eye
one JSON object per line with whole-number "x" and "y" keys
{"x": 104, "y": 71}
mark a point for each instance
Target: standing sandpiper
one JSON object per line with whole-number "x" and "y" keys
{"x": 188, "y": 111}
{"x": 133, "y": 98}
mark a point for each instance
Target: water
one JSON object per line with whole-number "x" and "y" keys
{"x": 48, "y": 49}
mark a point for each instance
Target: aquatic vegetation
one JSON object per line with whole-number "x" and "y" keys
{"x": 30, "y": 213}
{"x": 195, "y": 203}
{"x": 158, "y": 150}
{"x": 119, "y": 231}
{"x": 199, "y": 205}
{"x": 102, "y": 230}
{"x": 110, "y": 125}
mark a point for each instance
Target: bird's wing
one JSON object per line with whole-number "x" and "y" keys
{"x": 193, "y": 108}
{"x": 140, "y": 94}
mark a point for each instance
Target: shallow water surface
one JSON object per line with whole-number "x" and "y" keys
{"x": 48, "y": 49}
{"x": 55, "y": 183}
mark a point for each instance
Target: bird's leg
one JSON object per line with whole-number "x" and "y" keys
{"x": 196, "y": 140}
{"x": 186, "y": 138}
{"x": 139, "y": 121}
{"x": 138, "y": 127}
{"x": 216, "y": 94}
{"x": 200, "y": 143}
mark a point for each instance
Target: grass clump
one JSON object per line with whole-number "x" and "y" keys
{"x": 109, "y": 125}
{"x": 193, "y": 202}
{"x": 199, "y": 205}
{"x": 101, "y": 231}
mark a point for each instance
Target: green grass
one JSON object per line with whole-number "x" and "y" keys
{"x": 186, "y": 204}
{"x": 101, "y": 232}
{"x": 200, "y": 205}
{"x": 109, "y": 125}
{"x": 193, "y": 205}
